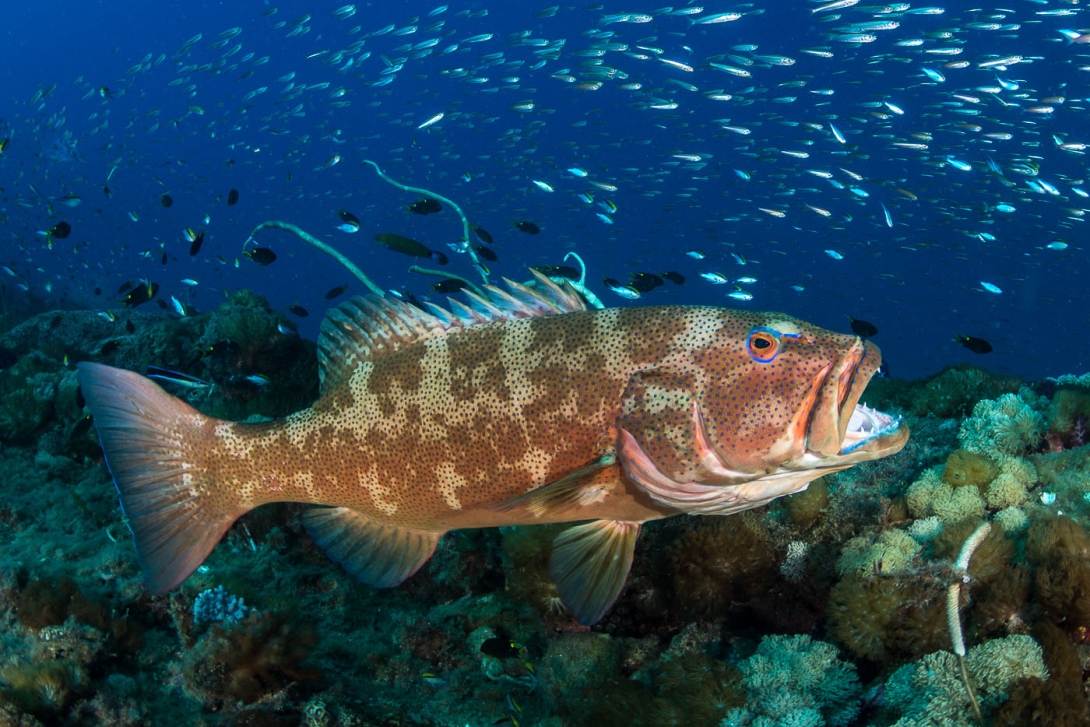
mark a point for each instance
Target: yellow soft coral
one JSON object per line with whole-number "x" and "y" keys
{"x": 1005, "y": 491}
{"x": 891, "y": 554}
{"x": 919, "y": 494}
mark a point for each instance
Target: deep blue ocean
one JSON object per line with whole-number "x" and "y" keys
{"x": 878, "y": 161}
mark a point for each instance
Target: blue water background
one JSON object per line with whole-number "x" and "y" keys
{"x": 918, "y": 281}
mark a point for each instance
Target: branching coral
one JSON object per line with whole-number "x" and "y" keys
{"x": 931, "y": 691}
{"x": 791, "y": 680}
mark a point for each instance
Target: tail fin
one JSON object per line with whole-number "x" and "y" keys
{"x": 149, "y": 439}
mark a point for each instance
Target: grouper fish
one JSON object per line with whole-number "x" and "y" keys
{"x": 520, "y": 407}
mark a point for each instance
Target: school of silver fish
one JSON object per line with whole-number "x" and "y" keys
{"x": 713, "y": 129}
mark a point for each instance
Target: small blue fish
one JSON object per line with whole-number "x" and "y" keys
{"x": 933, "y": 75}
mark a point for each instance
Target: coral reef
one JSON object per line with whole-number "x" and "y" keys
{"x": 214, "y": 605}
{"x": 526, "y": 553}
{"x": 250, "y": 660}
{"x": 43, "y": 690}
{"x": 259, "y": 369}
{"x": 720, "y": 561}
{"x": 1068, "y": 418}
{"x": 1058, "y": 701}
{"x": 893, "y": 553}
{"x": 948, "y": 394}
{"x": 719, "y": 622}
{"x": 791, "y": 680}
{"x": 932, "y": 691}
{"x": 885, "y": 619}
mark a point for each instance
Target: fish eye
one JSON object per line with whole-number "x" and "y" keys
{"x": 763, "y": 345}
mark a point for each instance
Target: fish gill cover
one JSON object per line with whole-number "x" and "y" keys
{"x": 919, "y": 169}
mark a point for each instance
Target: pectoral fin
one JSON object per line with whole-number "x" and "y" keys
{"x": 566, "y": 492}
{"x": 379, "y": 555}
{"x": 590, "y": 563}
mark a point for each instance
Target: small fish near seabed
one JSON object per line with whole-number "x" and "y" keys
{"x": 522, "y": 407}
{"x": 974, "y": 344}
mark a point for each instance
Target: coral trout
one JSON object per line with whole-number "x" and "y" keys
{"x": 520, "y": 408}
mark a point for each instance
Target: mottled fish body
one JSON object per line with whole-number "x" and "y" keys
{"x": 520, "y": 408}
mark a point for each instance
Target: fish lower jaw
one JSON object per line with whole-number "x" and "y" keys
{"x": 867, "y": 425}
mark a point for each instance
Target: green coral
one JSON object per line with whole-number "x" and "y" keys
{"x": 1014, "y": 520}
{"x": 1009, "y": 425}
{"x": 792, "y": 681}
{"x": 933, "y": 494}
{"x": 1005, "y": 491}
{"x": 1064, "y": 472}
{"x": 1068, "y": 409}
{"x": 892, "y": 553}
{"x": 964, "y": 469}
{"x": 931, "y": 692}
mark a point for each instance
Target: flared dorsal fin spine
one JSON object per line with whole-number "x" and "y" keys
{"x": 482, "y": 305}
{"x": 441, "y": 313}
{"x": 510, "y": 304}
{"x": 363, "y": 328}
{"x": 464, "y": 313}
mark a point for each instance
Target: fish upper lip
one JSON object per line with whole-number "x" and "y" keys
{"x": 856, "y": 424}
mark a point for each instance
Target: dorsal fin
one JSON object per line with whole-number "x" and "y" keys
{"x": 364, "y": 328}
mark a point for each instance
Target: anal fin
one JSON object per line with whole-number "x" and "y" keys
{"x": 380, "y": 555}
{"x": 590, "y": 564}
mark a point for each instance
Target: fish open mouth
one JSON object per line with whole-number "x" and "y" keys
{"x": 866, "y": 425}
{"x": 839, "y": 426}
